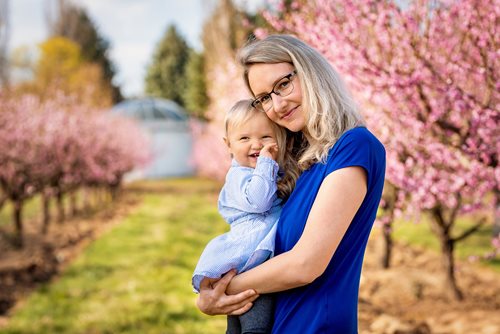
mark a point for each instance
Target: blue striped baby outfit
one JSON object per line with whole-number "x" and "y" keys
{"x": 249, "y": 203}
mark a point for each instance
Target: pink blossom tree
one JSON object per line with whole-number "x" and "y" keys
{"x": 23, "y": 168}
{"x": 427, "y": 77}
{"x": 223, "y": 33}
{"x": 210, "y": 155}
{"x": 54, "y": 146}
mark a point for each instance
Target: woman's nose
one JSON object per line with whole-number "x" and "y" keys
{"x": 278, "y": 102}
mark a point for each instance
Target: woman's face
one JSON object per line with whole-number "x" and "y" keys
{"x": 285, "y": 110}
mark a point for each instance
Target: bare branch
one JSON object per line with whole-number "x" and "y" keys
{"x": 470, "y": 231}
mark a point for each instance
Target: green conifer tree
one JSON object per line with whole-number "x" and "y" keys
{"x": 195, "y": 95}
{"x": 166, "y": 74}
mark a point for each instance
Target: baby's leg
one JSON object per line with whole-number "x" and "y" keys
{"x": 233, "y": 324}
{"x": 260, "y": 317}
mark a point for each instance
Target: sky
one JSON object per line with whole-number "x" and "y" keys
{"x": 133, "y": 28}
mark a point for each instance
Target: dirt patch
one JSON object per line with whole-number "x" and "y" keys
{"x": 44, "y": 256}
{"x": 409, "y": 297}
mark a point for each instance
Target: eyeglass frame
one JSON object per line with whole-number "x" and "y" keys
{"x": 290, "y": 76}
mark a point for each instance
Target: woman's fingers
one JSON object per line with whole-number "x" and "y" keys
{"x": 242, "y": 310}
{"x": 241, "y": 300}
{"x": 214, "y": 300}
{"x": 208, "y": 283}
{"x": 212, "y": 304}
{"x": 221, "y": 284}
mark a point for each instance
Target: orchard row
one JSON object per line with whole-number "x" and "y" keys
{"x": 54, "y": 147}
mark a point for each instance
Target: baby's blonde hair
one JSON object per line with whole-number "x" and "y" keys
{"x": 240, "y": 113}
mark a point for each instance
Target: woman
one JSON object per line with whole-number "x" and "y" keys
{"x": 325, "y": 224}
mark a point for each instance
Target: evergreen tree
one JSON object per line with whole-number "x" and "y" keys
{"x": 195, "y": 94}
{"x": 74, "y": 23}
{"x": 166, "y": 74}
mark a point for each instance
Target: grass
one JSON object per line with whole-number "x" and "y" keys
{"x": 136, "y": 278}
{"x": 477, "y": 244}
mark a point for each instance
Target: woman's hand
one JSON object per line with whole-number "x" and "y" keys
{"x": 213, "y": 299}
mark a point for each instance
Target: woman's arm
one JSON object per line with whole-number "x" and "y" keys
{"x": 338, "y": 200}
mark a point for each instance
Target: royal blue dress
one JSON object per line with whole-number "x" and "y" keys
{"x": 330, "y": 303}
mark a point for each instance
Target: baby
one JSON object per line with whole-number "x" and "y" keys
{"x": 249, "y": 202}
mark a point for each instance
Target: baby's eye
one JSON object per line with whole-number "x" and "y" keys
{"x": 244, "y": 138}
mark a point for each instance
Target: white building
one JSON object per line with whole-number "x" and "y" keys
{"x": 167, "y": 125}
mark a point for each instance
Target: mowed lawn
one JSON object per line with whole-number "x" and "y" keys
{"x": 135, "y": 278}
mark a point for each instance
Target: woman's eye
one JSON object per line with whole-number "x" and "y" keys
{"x": 264, "y": 99}
{"x": 284, "y": 84}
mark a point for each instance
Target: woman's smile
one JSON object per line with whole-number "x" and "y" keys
{"x": 289, "y": 114}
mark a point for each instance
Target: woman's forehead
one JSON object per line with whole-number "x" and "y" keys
{"x": 262, "y": 77}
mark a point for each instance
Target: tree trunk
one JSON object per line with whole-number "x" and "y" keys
{"x": 388, "y": 243}
{"x": 447, "y": 247}
{"x": 46, "y": 211}
{"x": 114, "y": 191}
{"x": 389, "y": 206}
{"x": 3, "y": 200}
{"x": 18, "y": 221}
{"x": 442, "y": 228}
{"x": 73, "y": 203}
{"x": 60, "y": 206}
{"x": 496, "y": 216}
{"x": 115, "y": 188}
{"x": 86, "y": 199}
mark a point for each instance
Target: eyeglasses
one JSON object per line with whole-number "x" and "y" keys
{"x": 283, "y": 87}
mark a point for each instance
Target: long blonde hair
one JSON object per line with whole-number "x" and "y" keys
{"x": 328, "y": 106}
{"x": 241, "y": 112}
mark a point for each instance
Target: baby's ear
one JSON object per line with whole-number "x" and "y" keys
{"x": 226, "y": 141}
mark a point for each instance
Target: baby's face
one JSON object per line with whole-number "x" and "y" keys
{"x": 246, "y": 140}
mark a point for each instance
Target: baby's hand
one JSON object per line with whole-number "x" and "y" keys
{"x": 270, "y": 150}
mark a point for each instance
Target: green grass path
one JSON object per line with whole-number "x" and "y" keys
{"x": 136, "y": 278}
